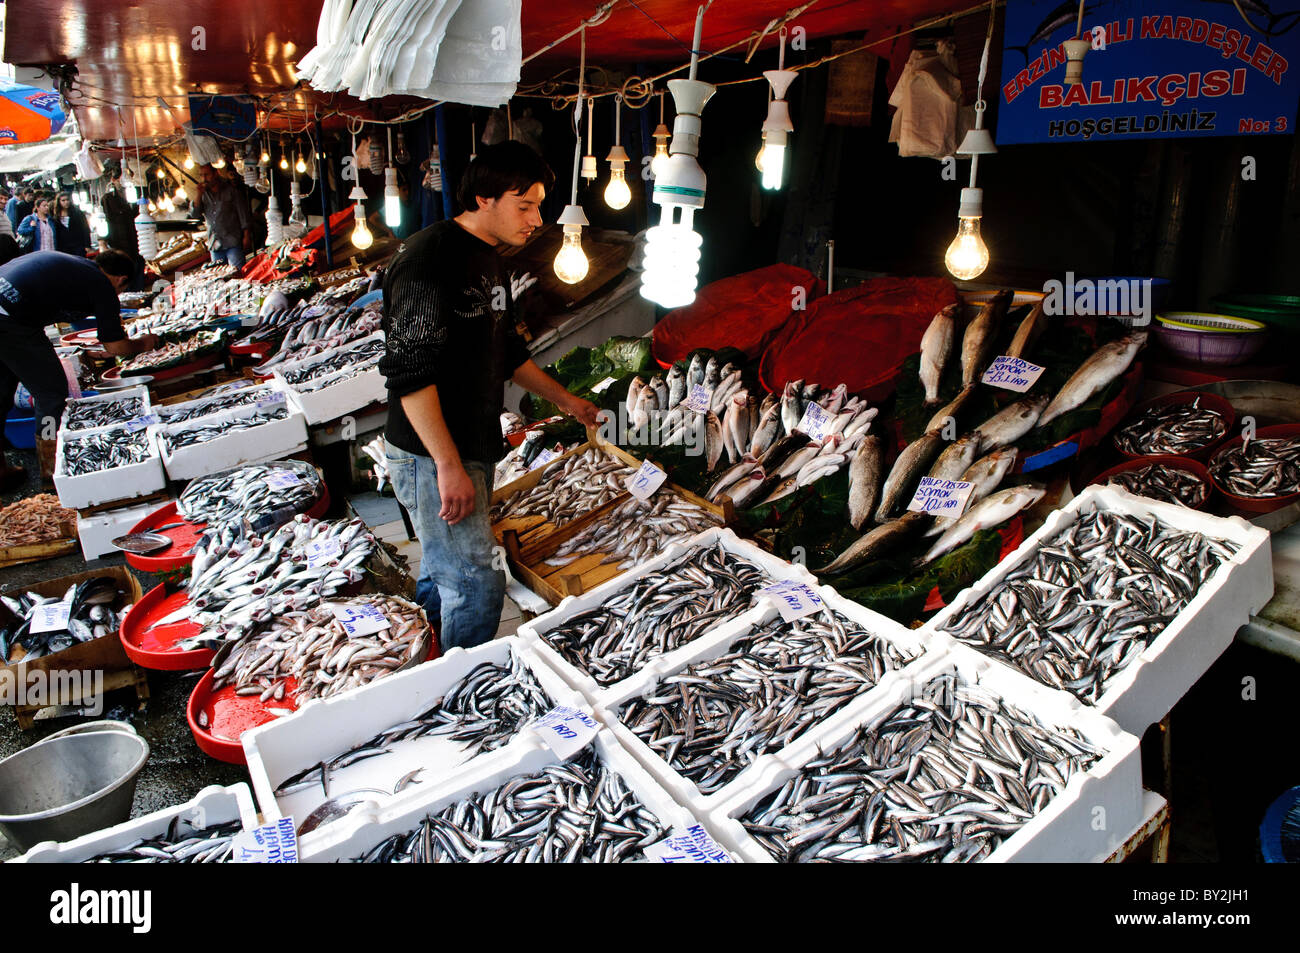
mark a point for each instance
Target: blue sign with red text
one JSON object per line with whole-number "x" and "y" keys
{"x": 1156, "y": 69}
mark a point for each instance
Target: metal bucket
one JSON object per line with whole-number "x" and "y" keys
{"x": 70, "y": 784}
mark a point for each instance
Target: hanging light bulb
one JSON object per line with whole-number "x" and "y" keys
{"x": 296, "y": 227}
{"x": 167, "y": 205}
{"x": 571, "y": 264}
{"x": 180, "y": 194}
{"x": 160, "y": 173}
{"x": 132, "y": 195}
{"x": 263, "y": 183}
{"x": 361, "y": 235}
{"x": 220, "y": 163}
{"x": 101, "y": 224}
{"x": 152, "y": 207}
{"x": 617, "y": 194}
{"x": 777, "y": 126}
{"x": 266, "y": 155}
{"x": 83, "y": 199}
{"x": 284, "y": 159}
{"x": 968, "y": 256}
{"x": 146, "y": 234}
{"x": 661, "y": 135}
{"x": 301, "y": 165}
{"x": 274, "y": 222}
{"x": 189, "y": 162}
{"x": 402, "y": 156}
{"x": 392, "y": 199}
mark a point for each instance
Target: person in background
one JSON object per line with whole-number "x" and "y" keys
{"x": 39, "y": 230}
{"x": 6, "y": 226}
{"x": 224, "y": 207}
{"x": 74, "y": 232}
{"x": 20, "y": 206}
{"x": 120, "y": 215}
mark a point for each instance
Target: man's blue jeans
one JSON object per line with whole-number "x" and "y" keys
{"x": 228, "y": 256}
{"x": 458, "y": 585}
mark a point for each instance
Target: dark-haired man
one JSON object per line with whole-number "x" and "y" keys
{"x": 36, "y": 290}
{"x": 451, "y": 344}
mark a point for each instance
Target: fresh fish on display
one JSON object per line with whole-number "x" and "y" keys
{"x": 376, "y": 451}
{"x": 718, "y": 716}
{"x": 985, "y": 475}
{"x": 1012, "y": 422}
{"x": 36, "y": 519}
{"x": 957, "y": 457}
{"x": 579, "y": 811}
{"x": 312, "y": 647}
{"x": 91, "y": 615}
{"x": 1173, "y": 428}
{"x": 677, "y": 386}
{"x": 865, "y": 473}
{"x": 637, "y": 530}
{"x": 912, "y": 464}
{"x": 483, "y": 711}
{"x": 658, "y": 613}
{"x": 170, "y": 355}
{"x": 510, "y": 422}
{"x": 568, "y": 488}
{"x": 981, "y": 336}
{"x": 1259, "y": 468}
{"x": 954, "y": 409}
{"x": 1158, "y": 481}
{"x": 792, "y": 405}
{"x": 943, "y": 779}
{"x": 879, "y": 542}
{"x": 356, "y": 357}
{"x": 936, "y": 349}
{"x": 104, "y": 450}
{"x": 989, "y": 512}
{"x": 211, "y": 405}
{"x": 182, "y": 844}
{"x": 1109, "y": 362}
{"x": 245, "y": 494}
{"x": 324, "y": 333}
{"x": 86, "y": 414}
{"x": 1091, "y": 600}
{"x": 193, "y": 434}
{"x": 1033, "y": 325}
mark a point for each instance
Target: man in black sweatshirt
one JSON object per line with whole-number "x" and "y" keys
{"x": 451, "y": 344}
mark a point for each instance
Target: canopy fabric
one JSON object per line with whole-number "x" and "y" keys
{"x": 42, "y": 157}
{"x": 28, "y": 114}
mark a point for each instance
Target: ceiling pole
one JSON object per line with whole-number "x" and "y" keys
{"x": 323, "y": 182}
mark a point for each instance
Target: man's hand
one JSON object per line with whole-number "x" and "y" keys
{"x": 457, "y": 492}
{"x": 584, "y": 410}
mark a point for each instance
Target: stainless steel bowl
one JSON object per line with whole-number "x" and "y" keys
{"x": 69, "y": 785}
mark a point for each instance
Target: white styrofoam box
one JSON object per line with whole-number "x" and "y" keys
{"x": 212, "y": 806}
{"x": 98, "y": 531}
{"x": 167, "y": 411}
{"x": 269, "y": 441}
{"x": 333, "y": 400}
{"x": 110, "y": 397}
{"x": 909, "y": 642}
{"x": 325, "y": 728}
{"x": 361, "y": 831}
{"x": 107, "y": 486}
{"x": 1149, "y": 687}
{"x": 570, "y": 606}
{"x": 1067, "y": 828}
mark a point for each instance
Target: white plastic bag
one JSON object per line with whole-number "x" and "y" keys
{"x": 928, "y": 101}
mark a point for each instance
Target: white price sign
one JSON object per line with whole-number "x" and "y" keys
{"x": 794, "y": 599}
{"x": 1012, "y": 373}
{"x": 275, "y": 843}
{"x": 603, "y": 385}
{"x": 645, "y": 481}
{"x": 136, "y": 424}
{"x": 322, "y": 551}
{"x": 566, "y": 731}
{"x": 283, "y": 480}
{"x": 270, "y": 400}
{"x": 50, "y": 617}
{"x": 815, "y": 422}
{"x": 941, "y": 497}
{"x": 360, "y": 620}
{"x": 690, "y": 846}
{"x": 542, "y": 459}
{"x": 699, "y": 399}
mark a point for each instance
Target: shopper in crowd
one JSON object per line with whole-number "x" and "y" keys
{"x": 120, "y": 215}
{"x": 74, "y": 230}
{"x": 224, "y": 206}
{"x": 6, "y": 226}
{"x": 38, "y": 231}
{"x": 452, "y": 342}
{"x": 37, "y": 289}
{"x": 20, "y": 206}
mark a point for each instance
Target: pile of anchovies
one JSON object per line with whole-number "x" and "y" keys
{"x": 206, "y": 845}
{"x": 483, "y": 711}
{"x": 211, "y": 405}
{"x": 1260, "y": 468}
{"x": 194, "y": 434}
{"x": 1173, "y": 428}
{"x": 567, "y": 813}
{"x": 1091, "y": 600}
{"x": 568, "y": 488}
{"x": 365, "y": 354}
{"x": 637, "y": 530}
{"x": 1162, "y": 482}
{"x": 715, "y": 718}
{"x": 105, "y": 450}
{"x": 657, "y": 614}
{"x": 945, "y": 778}
{"x": 245, "y": 494}
{"x": 87, "y": 414}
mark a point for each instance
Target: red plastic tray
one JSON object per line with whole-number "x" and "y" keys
{"x": 257, "y": 349}
{"x": 207, "y": 362}
{"x": 157, "y": 649}
{"x": 1255, "y": 504}
{"x": 85, "y": 338}
{"x": 1013, "y": 534}
{"x": 1194, "y": 467}
{"x": 230, "y": 715}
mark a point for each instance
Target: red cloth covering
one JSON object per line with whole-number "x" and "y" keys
{"x": 858, "y": 337}
{"x": 743, "y": 311}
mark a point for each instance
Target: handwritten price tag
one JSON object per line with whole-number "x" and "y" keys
{"x": 815, "y": 422}
{"x": 1011, "y": 373}
{"x": 941, "y": 497}
{"x": 645, "y": 481}
{"x": 699, "y": 399}
{"x": 542, "y": 459}
{"x": 136, "y": 424}
{"x": 271, "y": 400}
{"x": 283, "y": 480}
{"x": 360, "y": 620}
{"x": 50, "y": 617}
{"x": 690, "y": 846}
{"x": 794, "y": 599}
{"x": 322, "y": 551}
{"x": 603, "y": 385}
{"x": 275, "y": 843}
{"x": 566, "y": 731}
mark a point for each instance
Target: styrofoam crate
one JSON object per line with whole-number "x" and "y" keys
{"x": 107, "y": 486}
{"x": 166, "y": 412}
{"x": 98, "y": 531}
{"x": 910, "y": 642}
{"x": 361, "y": 831}
{"x": 335, "y": 399}
{"x": 1069, "y": 829}
{"x": 269, "y": 441}
{"x": 324, "y": 728}
{"x": 1149, "y": 687}
{"x": 531, "y": 631}
{"x": 111, "y": 397}
{"x": 212, "y": 806}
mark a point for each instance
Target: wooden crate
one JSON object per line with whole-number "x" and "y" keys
{"x": 34, "y": 552}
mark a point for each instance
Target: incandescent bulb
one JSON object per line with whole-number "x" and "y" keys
{"x": 152, "y": 208}
{"x": 132, "y": 195}
{"x": 361, "y": 235}
{"x": 300, "y": 166}
{"x": 617, "y": 194}
{"x": 266, "y": 157}
{"x": 571, "y": 262}
{"x": 263, "y": 184}
{"x": 967, "y": 256}
{"x": 659, "y": 164}
{"x": 401, "y": 155}
{"x": 101, "y": 225}
{"x": 284, "y": 163}
{"x": 189, "y": 162}
{"x": 773, "y": 165}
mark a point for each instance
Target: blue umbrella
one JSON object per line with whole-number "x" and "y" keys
{"x": 28, "y": 114}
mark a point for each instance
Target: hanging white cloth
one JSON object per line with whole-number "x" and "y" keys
{"x": 928, "y": 116}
